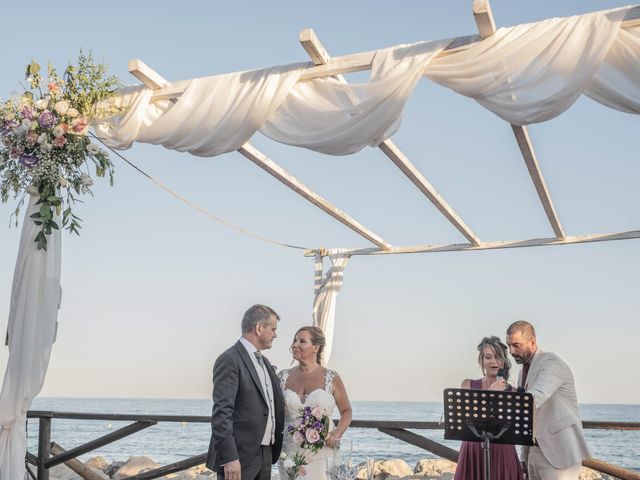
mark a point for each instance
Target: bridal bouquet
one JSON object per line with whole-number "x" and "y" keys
{"x": 310, "y": 428}
{"x": 44, "y": 148}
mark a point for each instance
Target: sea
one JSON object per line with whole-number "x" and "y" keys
{"x": 168, "y": 442}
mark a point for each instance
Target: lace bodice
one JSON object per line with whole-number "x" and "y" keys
{"x": 319, "y": 397}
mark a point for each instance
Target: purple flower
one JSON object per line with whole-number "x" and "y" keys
{"x": 47, "y": 119}
{"x": 28, "y": 113}
{"x": 318, "y": 425}
{"x": 307, "y": 411}
{"x": 8, "y": 126}
{"x": 28, "y": 160}
{"x": 290, "y": 428}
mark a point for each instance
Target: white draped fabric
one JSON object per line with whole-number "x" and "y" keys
{"x": 327, "y": 287}
{"x": 524, "y": 74}
{"x": 35, "y": 298}
{"x": 532, "y": 73}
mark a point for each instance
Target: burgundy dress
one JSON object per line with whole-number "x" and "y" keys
{"x": 505, "y": 464}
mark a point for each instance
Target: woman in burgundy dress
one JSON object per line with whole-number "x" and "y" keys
{"x": 505, "y": 465}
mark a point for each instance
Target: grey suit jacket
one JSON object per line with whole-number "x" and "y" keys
{"x": 556, "y": 421}
{"x": 240, "y": 410}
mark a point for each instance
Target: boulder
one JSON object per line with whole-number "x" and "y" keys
{"x": 98, "y": 463}
{"x": 434, "y": 467}
{"x": 62, "y": 472}
{"x": 134, "y": 466}
{"x": 392, "y": 468}
{"x": 111, "y": 469}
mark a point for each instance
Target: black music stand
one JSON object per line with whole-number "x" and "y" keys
{"x": 488, "y": 416}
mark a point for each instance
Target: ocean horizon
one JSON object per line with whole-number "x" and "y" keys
{"x": 173, "y": 441}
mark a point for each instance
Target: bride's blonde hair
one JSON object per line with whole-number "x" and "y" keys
{"x": 317, "y": 338}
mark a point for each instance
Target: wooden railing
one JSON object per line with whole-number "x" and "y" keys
{"x": 51, "y": 454}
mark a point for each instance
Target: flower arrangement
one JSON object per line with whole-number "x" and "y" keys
{"x": 310, "y": 428}
{"x": 294, "y": 465}
{"x": 44, "y": 147}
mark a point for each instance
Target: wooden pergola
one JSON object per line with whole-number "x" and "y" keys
{"x": 323, "y": 65}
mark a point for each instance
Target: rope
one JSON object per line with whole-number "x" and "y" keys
{"x": 197, "y": 207}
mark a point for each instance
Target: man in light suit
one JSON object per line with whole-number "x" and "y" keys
{"x": 247, "y": 422}
{"x": 557, "y": 427}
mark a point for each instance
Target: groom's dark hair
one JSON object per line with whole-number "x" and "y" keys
{"x": 255, "y": 315}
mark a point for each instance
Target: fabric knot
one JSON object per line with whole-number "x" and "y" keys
{"x": 258, "y": 355}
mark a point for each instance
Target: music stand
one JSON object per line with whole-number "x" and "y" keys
{"x": 488, "y": 416}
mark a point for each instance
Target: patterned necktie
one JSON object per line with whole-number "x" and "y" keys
{"x": 258, "y": 355}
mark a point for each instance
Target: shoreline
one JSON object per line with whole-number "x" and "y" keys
{"x": 394, "y": 469}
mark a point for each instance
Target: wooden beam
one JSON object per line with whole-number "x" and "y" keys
{"x": 358, "y": 62}
{"x": 264, "y": 162}
{"x": 319, "y": 55}
{"x": 609, "y": 469}
{"x": 463, "y": 247}
{"x": 155, "y": 81}
{"x": 76, "y": 465}
{"x": 172, "y": 468}
{"x": 487, "y": 27}
{"x": 98, "y": 442}
{"x": 422, "y": 442}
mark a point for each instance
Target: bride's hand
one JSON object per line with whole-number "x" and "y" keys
{"x": 333, "y": 440}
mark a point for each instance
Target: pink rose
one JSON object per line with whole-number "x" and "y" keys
{"x": 59, "y": 142}
{"x": 298, "y": 438}
{"x": 79, "y": 125}
{"x": 312, "y": 435}
{"x": 317, "y": 412}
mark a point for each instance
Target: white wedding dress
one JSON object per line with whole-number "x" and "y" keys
{"x": 323, "y": 398}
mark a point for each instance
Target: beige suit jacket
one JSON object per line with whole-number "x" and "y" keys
{"x": 557, "y": 426}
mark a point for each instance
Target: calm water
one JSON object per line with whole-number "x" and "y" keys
{"x": 170, "y": 442}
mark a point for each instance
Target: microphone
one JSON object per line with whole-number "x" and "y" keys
{"x": 502, "y": 373}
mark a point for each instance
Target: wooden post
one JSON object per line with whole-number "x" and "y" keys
{"x": 76, "y": 465}
{"x": 44, "y": 446}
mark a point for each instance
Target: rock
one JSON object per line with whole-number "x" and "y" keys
{"x": 588, "y": 474}
{"x": 62, "y": 472}
{"x": 392, "y": 468}
{"x": 98, "y": 463}
{"x": 186, "y": 475}
{"x": 134, "y": 466}
{"x": 434, "y": 467}
{"x": 110, "y": 470}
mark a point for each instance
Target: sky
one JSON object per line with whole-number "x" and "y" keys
{"x": 154, "y": 291}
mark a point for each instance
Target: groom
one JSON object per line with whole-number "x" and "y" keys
{"x": 248, "y": 407}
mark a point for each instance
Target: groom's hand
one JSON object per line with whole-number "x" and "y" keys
{"x": 232, "y": 470}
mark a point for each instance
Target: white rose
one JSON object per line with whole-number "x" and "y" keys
{"x": 288, "y": 463}
{"x": 86, "y": 180}
{"x": 61, "y": 107}
{"x": 31, "y": 190}
{"x": 46, "y": 147}
{"x": 58, "y": 131}
{"x": 42, "y": 138}
{"x": 93, "y": 149}
{"x": 24, "y": 127}
{"x": 42, "y": 104}
{"x": 64, "y": 183}
{"x": 72, "y": 112}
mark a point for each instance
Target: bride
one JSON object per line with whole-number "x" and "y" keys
{"x": 309, "y": 384}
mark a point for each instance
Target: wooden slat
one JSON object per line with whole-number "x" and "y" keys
{"x": 319, "y": 55}
{"x": 31, "y": 458}
{"x": 358, "y": 62}
{"x": 76, "y": 465}
{"x": 531, "y": 161}
{"x": 484, "y": 18}
{"x": 264, "y": 162}
{"x": 422, "y": 442}
{"x": 172, "y": 468}
{"x": 154, "y": 80}
{"x": 460, "y": 247}
{"x": 98, "y": 442}
{"x": 487, "y": 27}
{"x": 44, "y": 446}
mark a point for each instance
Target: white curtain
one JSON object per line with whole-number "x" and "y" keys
{"x": 35, "y": 299}
{"x": 524, "y": 74}
{"x": 534, "y": 72}
{"x": 327, "y": 287}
